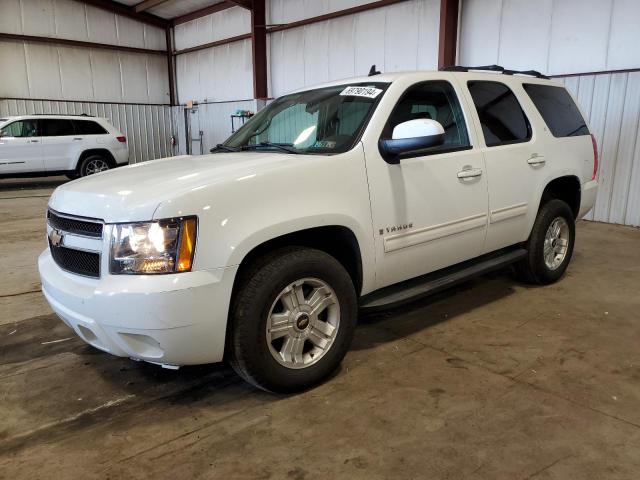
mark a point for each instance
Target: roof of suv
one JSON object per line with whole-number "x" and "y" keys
{"x": 464, "y": 75}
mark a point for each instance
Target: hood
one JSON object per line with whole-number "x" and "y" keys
{"x": 133, "y": 193}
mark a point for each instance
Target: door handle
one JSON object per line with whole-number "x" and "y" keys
{"x": 536, "y": 160}
{"x": 34, "y": 141}
{"x": 469, "y": 172}
{"x": 75, "y": 139}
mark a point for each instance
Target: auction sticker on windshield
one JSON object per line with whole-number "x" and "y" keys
{"x": 368, "y": 92}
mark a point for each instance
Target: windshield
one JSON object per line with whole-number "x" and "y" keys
{"x": 325, "y": 120}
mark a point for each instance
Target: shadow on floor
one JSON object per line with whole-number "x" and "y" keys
{"x": 37, "y": 183}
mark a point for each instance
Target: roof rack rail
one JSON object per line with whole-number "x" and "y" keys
{"x": 494, "y": 68}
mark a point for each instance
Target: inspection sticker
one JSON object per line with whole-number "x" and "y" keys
{"x": 368, "y": 92}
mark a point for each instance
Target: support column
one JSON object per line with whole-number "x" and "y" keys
{"x": 171, "y": 67}
{"x": 448, "y": 33}
{"x": 259, "y": 49}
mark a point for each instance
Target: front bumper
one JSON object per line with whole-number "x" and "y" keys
{"x": 172, "y": 320}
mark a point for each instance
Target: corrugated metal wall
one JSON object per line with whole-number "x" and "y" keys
{"x": 214, "y": 119}
{"x": 148, "y": 128}
{"x": 399, "y": 37}
{"x": 36, "y": 70}
{"x": 612, "y": 104}
{"x": 553, "y": 36}
{"x": 571, "y": 37}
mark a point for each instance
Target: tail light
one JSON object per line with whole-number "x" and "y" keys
{"x": 123, "y": 139}
{"x": 595, "y": 157}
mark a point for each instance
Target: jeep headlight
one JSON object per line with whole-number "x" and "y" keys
{"x": 162, "y": 246}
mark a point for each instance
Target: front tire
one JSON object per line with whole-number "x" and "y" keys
{"x": 93, "y": 164}
{"x": 292, "y": 320}
{"x": 550, "y": 245}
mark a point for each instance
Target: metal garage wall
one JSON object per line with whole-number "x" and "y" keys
{"x": 148, "y": 127}
{"x": 222, "y": 73}
{"x": 612, "y": 104}
{"x": 217, "y": 26}
{"x": 214, "y": 120}
{"x": 215, "y": 74}
{"x": 403, "y": 36}
{"x": 554, "y": 37}
{"x": 36, "y": 70}
{"x": 572, "y": 37}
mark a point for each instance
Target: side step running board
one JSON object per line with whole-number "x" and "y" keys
{"x": 436, "y": 281}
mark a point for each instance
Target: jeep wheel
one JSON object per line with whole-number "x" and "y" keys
{"x": 292, "y": 320}
{"x": 550, "y": 244}
{"x": 93, "y": 164}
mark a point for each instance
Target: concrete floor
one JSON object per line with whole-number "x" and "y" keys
{"x": 491, "y": 380}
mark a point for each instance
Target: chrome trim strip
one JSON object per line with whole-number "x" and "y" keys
{"x": 434, "y": 232}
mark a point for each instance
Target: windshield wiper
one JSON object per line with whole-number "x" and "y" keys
{"x": 282, "y": 146}
{"x": 223, "y": 148}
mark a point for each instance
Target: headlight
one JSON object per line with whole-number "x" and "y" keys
{"x": 163, "y": 246}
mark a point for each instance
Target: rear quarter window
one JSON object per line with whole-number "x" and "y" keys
{"x": 558, "y": 110}
{"x": 88, "y": 127}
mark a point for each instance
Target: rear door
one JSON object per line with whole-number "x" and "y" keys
{"x": 20, "y": 148}
{"x": 515, "y": 168}
{"x": 60, "y": 144}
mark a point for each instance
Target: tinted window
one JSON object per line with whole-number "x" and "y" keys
{"x": 87, "y": 127}
{"x": 436, "y": 101}
{"x": 558, "y": 110}
{"x": 21, "y": 128}
{"x": 56, "y": 128}
{"x": 501, "y": 116}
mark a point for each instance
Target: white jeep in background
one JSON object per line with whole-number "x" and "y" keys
{"x": 357, "y": 194}
{"x": 73, "y": 145}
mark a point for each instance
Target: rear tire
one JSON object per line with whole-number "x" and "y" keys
{"x": 292, "y": 320}
{"x": 550, "y": 245}
{"x": 94, "y": 164}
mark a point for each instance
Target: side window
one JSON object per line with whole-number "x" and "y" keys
{"x": 56, "y": 128}
{"x": 502, "y": 118}
{"x": 21, "y": 128}
{"x": 87, "y": 127}
{"x": 558, "y": 110}
{"x": 435, "y": 100}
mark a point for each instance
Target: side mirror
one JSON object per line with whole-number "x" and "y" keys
{"x": 409, "y": 138}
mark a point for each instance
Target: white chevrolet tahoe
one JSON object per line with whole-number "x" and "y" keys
{"x": 356, "y": 194}
{"x": 74, "y": 145}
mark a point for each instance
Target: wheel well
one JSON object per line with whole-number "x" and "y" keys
{"x": 103, "y": 152}
{"x": 566, "y": 189}
{"x": 337, "y": 241}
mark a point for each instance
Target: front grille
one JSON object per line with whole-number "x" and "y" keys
{"x": 77, "y": 261}
{"x": 73, "y": 225}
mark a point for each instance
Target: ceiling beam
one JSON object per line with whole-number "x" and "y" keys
{"x": 330, "y": 16}
{"x": 147, "y": 4}
{"x": 78, "y": 43}
{"x": 125, "y": 11}
{"x": 248, "y": 4}
{"x": 218, "y": 7}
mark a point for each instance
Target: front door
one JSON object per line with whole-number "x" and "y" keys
{"x": 429, "y": 211}
{"x": 20, "y": 148}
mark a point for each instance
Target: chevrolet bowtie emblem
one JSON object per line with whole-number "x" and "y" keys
{"x": 56, "y": 238}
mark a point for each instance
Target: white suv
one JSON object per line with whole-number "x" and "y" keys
{"x": 357, "y": 194}
{"x": 76, "y": 146}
